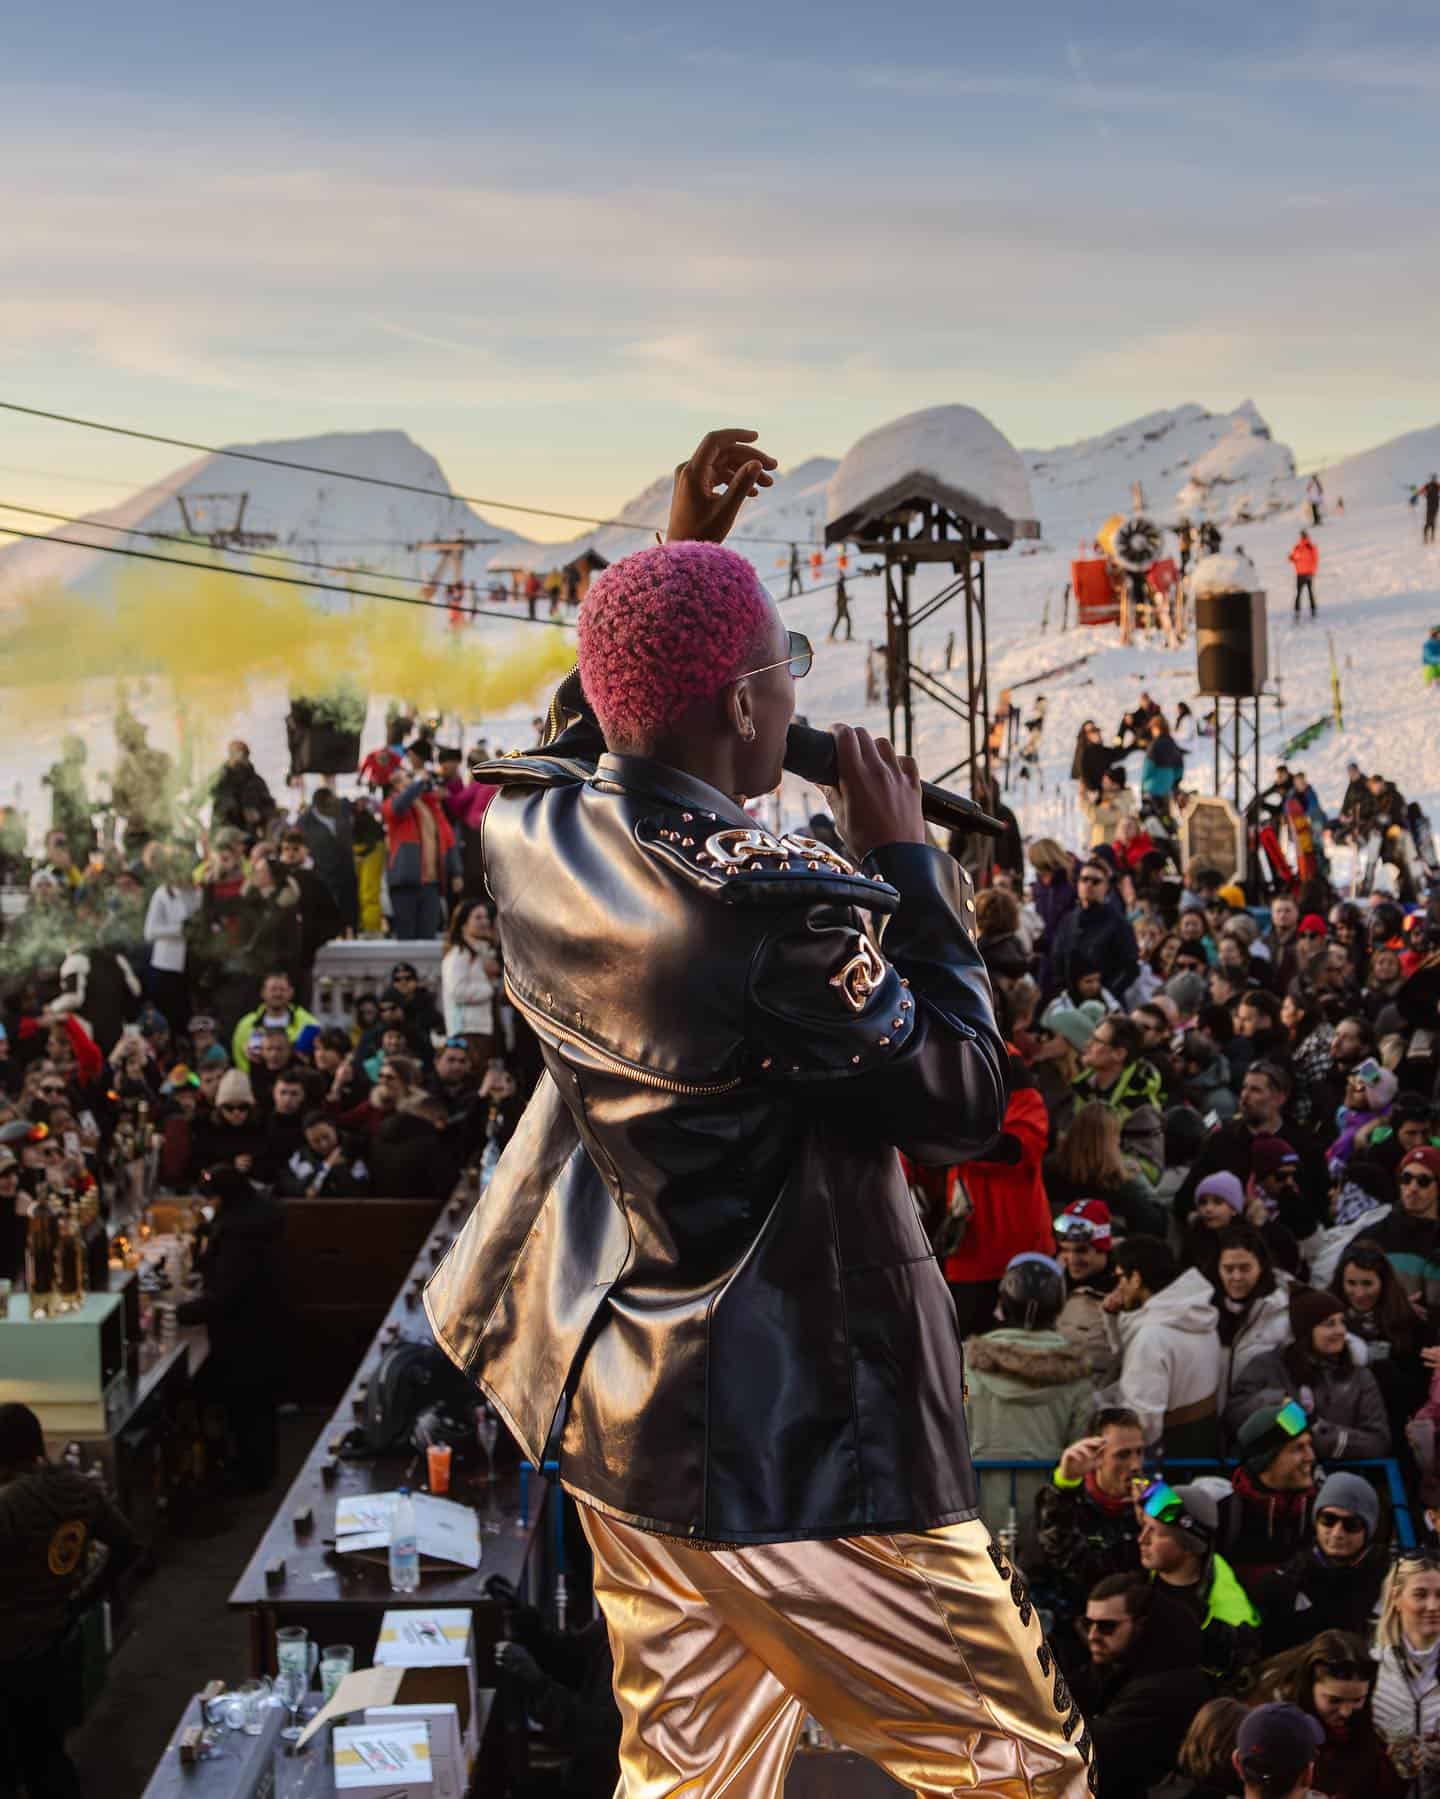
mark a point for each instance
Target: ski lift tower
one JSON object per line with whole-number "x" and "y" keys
{"x": 942, "y": 486}
{"x": 198, "y": 510}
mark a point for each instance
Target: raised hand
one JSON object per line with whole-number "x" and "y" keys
{"x": 727, "y": 459}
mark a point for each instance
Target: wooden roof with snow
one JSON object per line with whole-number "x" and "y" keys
{"x": 949, "y": 458}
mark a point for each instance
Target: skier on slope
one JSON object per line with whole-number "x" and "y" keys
{"x": 1429, "y": 491}
{"x": 1430, "y": 656}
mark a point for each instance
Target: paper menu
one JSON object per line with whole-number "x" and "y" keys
{"x": 444, "y": 1531}
{"x": 372, "y": 1755}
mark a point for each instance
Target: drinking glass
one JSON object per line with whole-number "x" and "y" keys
{"x": 292, "y": 1683}
{"x": 252, "y": 1695}
{"x": 487, "y": 1432}
{"x": 335, "y": 1663}
{"x": 293, "y": 1649}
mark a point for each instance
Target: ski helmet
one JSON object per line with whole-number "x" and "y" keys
{"x": 1032, "y": 1291}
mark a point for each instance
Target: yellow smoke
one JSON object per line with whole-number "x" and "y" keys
{"x": 206, "y": 633}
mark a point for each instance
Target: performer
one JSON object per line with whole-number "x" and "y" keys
{"x": 698, "y": 1259}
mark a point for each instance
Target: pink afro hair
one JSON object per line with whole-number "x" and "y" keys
{"x": 664, "y": 628}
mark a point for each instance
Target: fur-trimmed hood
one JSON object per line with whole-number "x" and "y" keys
{"x": 1034, "y": 1358}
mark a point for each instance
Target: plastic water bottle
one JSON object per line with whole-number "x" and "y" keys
{"x": 404, "y": 1549}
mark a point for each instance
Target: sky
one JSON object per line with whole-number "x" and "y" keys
{"x": 556, "y": 243}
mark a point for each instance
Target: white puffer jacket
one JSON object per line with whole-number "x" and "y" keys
{"x": 466, "y": 994}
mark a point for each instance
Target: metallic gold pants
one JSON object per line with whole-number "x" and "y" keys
{"x": 920, "y": 1651}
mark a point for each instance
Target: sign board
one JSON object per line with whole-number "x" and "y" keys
{"x": 1213, "y": 832}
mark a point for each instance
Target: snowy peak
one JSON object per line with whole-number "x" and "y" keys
{"x": 1224, "y": 466}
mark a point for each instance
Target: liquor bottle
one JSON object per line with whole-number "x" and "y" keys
{"x": 97, "y": 1243}
{"x": 70, "y": 1257}
{"x": 41, "y": 1241}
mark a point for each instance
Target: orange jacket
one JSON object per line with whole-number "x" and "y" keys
{"x": 1305, "y": 556}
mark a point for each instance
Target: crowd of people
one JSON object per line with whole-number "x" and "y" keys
{"x": 160, "y": 1015}
{"x": 1199, "y": 1279}
{"x": 1198, "y": 1273}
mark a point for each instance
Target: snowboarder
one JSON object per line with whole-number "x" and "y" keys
{"x": 1306, "y": 559}
{"x": 1430, "y": 656}
{"x": 795, "y": 584}
{"x": 842, "y": 612}
{"x": 1430, "y": 493}
{"x": 1315, "y": 499}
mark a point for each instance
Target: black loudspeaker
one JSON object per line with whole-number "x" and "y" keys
{"x": 1231, "y": 644}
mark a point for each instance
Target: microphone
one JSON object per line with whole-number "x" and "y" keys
{"x": 811, "y": 755}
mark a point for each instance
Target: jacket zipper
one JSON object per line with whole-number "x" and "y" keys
{"x": 541, "y": 1022}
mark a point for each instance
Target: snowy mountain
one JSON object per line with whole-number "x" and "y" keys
{"x": 1379, "y": 593}
{"x": 314, "y": 517}
{"x": 1224, "y": 466}
{"x": 1381, "y": 476}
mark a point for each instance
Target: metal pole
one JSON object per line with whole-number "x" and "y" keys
{"x": 904, "y": 658}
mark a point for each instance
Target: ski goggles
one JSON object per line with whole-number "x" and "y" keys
{"x": 1072, "y": 1229}
{"x": 1161, "y": 1502}
{"x": 1292, "y": 1419}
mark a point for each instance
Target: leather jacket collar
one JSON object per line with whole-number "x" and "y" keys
{"x": 642, "y": 774}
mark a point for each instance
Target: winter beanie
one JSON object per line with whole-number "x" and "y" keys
{"x": 1187, "y": 991}
{"x": 1349, "y": 1493}
{"x": 234, "y": 1090}
{"x": 1309, "y": 1307}
{"x": 1261, "y": 1439}
{"x": 1223, "y": 1186}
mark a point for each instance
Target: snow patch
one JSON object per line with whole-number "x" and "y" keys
{"x": 1214, "y": 575}
{"x": 955, "y": 446}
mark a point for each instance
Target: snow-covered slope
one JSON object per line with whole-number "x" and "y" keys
{"x": 311, "y": 516}
{"x": 1387, "y": 473}
{"x": 1378, "y": 588}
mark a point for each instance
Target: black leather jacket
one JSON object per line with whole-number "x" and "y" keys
{"x": 700, "y": 1231}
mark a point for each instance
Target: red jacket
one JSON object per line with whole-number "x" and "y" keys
{"x": 1305, "y": 556}
{"x": 1011, "y": 1213}
{"x": 401, "y": 814}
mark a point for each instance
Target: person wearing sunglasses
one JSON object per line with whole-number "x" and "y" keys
{"x": 1275, "y": 1487}
{"x": 1141, "y": 1683}
{"x": 738, "y": 1030}
{"x": 1410, "y": 1232}
{"x": 1333, "y": 1581}
{"x": 1179, "y": 1534}
{"x": 1094, "y": 936}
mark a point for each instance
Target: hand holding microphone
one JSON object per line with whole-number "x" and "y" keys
{"x": 815, "y": 756}
{"x": 877, "y": 799}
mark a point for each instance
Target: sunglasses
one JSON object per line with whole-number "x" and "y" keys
{"x": 1097, "y": 1627}
{"x": 800, "y": 660}
{"x": 1417, "y": 1177}
{"x": 457, "y": 1043}
{"x": 1092, "y": 880}
{"x": 1353, "y": 1526}
{"x": 234, "y": 1106}
{"x": 1074, "y": 1230}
